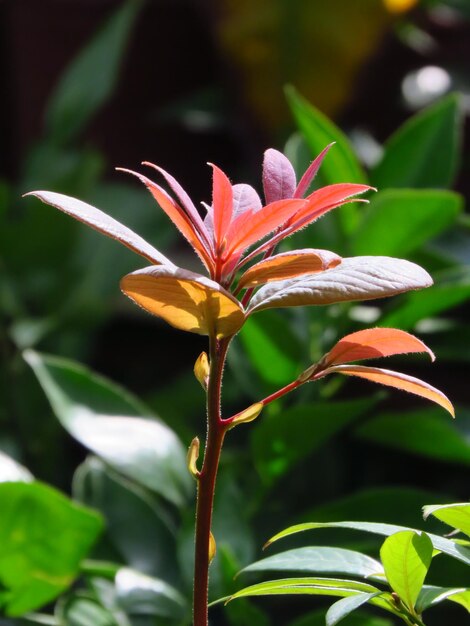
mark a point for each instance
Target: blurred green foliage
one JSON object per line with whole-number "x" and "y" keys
{"x": 129, "y": 563}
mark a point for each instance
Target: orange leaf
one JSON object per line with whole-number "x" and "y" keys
{"x": 185, "y": 300}
{"x": 288, "y": 265}
{"x": 177, "y": 216}
{"x": 373, "y": 343}
{"x": 103, "y": 223}
{"x": 222, "y": 203}
{"x": 392, "y": 379}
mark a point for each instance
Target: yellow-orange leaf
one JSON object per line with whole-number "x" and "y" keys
{"x": 374, "y": 343}
{"x": 288, "y": 265}
{"x": 185, "y": 300}
{"x": 393, "y": 379}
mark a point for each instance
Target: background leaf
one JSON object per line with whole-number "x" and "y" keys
{"x": 106, "y": 419}
{"x": 91, "y": 78}
{"x": 44, "y": 536}
{"x": 398, "y": 221}
{"x": 425, "y": 151}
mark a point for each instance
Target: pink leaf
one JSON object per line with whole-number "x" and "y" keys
{"x": 393, "y": 379}
{"x": 244, "y": 199}
{"x": 374, "y": 343}
{"x": 311, "y": 172}
{"x": 102, "y": 223}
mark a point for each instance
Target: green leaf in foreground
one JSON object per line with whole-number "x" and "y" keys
{"x": 114, "y": 425}
{"x": 320, "y": 560}
{"x": 398, "y": 221}
{"x": 425, "y": 151}
{"x": 430, "y": 596}
{"x": 455, "y": 515}
{"x": 43, "y": 538}
{"x": 341, "y": 609}
{"x": 91, "y": 77}
{"x": 406, "y": 557}
{"x": 426, "y": 432}
{"x": 441, "y": 544}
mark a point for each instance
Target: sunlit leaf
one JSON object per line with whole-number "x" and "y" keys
{"x": 198, "y": 240}
{"x": 417, "y": 432}
{"x": 440, "y": 543}
{"x": 311, "y": 172}
{"x": 373, "y": 343}
{"x": 424, "y": 152}
{"x": 341, "y": 609}
{"x": 396, "y": 380}
{"x": 356, "y": 278}
{"x": 110, "y": 422}
{"x": 306, "y": 586}
{"x": 222, "y": 203}
{"x": 138, "y": 594}
{"x": 12, "y": 471}
{"x": 185, "y": 300}
{"x": 288, "y": 265}
{"x": 430, "y": 596}
{"x": 462, "y": 598}
{"x": 319, "y": 560}
{"x": 455, "y": 515}
{"x": 406, "y": 557}
{"x": 103, "y": 223}
{"x": 44, "y": 536}
{"x": 279, "y": 181}
{"x": 398, "y": 221}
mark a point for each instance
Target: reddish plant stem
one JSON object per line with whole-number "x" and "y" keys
{"x": 216, "y": 430}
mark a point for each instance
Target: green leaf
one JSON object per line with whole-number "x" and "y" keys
{"x": 278, "y": 441}
{"x": 321, "y": 560}
{"x": 455, "y": 515}
{"x": 443, "y": 295}
{"x": 417, "y": 432}
{"x": 430, "y": 596}
{"x": 272, "y": 347}
{"x": 359, "y": 618}
{"x": 462, "y": 598}
{"x": 308, "y": 586}
{"x": 114, "y": 425}
{"x": 425, "y": 151}
{"x": 136, "y": 526}
{"x": 43, "y": 538}
{"x": 12, "y": 471}
{"x": 406, "y": 557}
{"x": 398, "y": 221}
{"x": 341, "y": 164}
{"x": 91, "y": 78}
{"x": 138, "y": 594}
{"x": 440, "y": 543}
{"x": 341, "y": 609}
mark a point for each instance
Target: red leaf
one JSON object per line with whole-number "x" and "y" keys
{"x": 373, "y": 343}
{"x": 222, "y": 203}
{"x": 179, "y": 218}
{"x": 392, "y": 379}
{"x": 311, "y": 172}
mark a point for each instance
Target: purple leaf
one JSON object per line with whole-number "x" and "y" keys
{"x": 244, "y": 198}
{"x": 279, "y": 180}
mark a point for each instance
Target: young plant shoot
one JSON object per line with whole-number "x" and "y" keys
{"x": 236, "y": 241}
